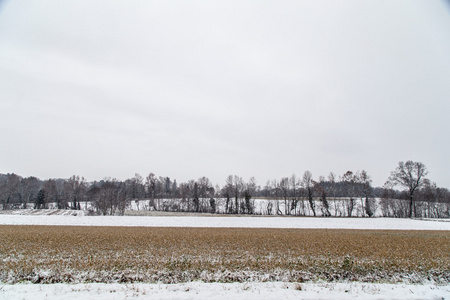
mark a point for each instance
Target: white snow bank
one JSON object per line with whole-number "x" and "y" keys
{"x": 226, "y": 221}
{"x": 245, "y": 291}
{"x": 49, "y": 212}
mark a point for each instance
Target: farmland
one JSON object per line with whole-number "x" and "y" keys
{"x": 84, "y": 254}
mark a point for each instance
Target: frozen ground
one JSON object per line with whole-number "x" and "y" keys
{"x": 227, "y": 221}
{"x": 245, "y": 291}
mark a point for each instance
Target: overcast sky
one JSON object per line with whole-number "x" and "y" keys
{"x": 212, "y": 88}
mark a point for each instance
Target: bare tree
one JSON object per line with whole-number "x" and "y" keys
{"x": 9, "y": 189}
{"x": 51, "y": 193}
{"x": 410, "y": 175}
{"x": 135, "y": 187}
{"x": 392, "y": 202}
{"x": 294, "y": 187}
{"x": 227, "y": 192}
{"x": 268, "y": 192}
{"x": 276, "y": 194}
{"x": 285, "y": 191}
{"x": 387, "y": 197}
{"x": 250, "y": 189}
{"x": 107, "y": 197}
{"x": 349, "y": 183}
{"x": 167, "y": 188}
{"x": 238, "y": 189}
{"x": 365, "y": 192}
{"x": 234, "y": 187}
{"x": 434, "y": 201}
{"x": 205, "y": 192}
{"x": 150, "y": 184}
{"x": 75, "y": 188}
{"x": 121, "y": 197}
{"x": 212, "y": 204}
{"x": 184, "y": 194}
{"x": 321, "y": 189}
{"x": 195, "y": 198}
{"x": 28, "y": 190}
{"x": 308, "y": 185}
{"x": 333, "y": 190}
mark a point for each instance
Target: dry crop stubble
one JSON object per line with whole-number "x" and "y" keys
{"x": 52, "y": 254}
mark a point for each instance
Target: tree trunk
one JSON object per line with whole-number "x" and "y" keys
{"x": 226, "y": 205}
{"x": 369, "y": 211}
{"x": 311, "y": 202}
{"x": 410, "y": 206}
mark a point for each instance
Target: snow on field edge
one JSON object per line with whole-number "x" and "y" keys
{"x": 245, "y": 291}
{"x": 234, "y": 222}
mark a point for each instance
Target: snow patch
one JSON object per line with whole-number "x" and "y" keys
{"x": 244, "y": 291}
{"x": 226, "y": 221}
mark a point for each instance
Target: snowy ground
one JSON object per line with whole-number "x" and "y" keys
{"x": 245, "y": 291}
{"x": 227, "y": 221}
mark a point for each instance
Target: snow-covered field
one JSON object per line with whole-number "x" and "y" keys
{"x": 245, "y": 291}
{"x": 228, "y": 221}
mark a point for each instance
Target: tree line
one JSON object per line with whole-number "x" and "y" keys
{"x": 407, "y": 193}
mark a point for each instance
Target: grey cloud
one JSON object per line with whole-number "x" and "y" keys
{"x": 200, "y": 88}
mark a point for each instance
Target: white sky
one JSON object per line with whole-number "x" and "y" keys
{"x": 211, "y": 88}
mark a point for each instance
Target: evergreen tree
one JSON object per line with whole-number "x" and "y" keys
{"x": 40, "y": 200}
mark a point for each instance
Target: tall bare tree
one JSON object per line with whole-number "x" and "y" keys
{"x": 51, "y": 193}
{"x": 227, "y": 192}
{"x": 365, "y": 191}
{"x": 184, "y": 195}
{"x": 249, "y": 191}
{"x": 333, "y": 190}
{"x": 205, "y": 192}
{"x": 75, "y": 188}
{"x": 135, "y": 187}
{"x": 238, "y": 186}
{"x": 29, "y": 188}
{"x": 308, "y": 185}
{"x": 321, "y": 190}
{"x": 195, "y": 198}
{"x": 410, "y": 175}
{"x": 348, "y": 181}
{"x": 150, "y": 184}
{"x": 285, "y": 192}
{"x": 294, "y": 186}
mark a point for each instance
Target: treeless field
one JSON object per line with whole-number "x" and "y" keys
{"x": 50, "y": 254}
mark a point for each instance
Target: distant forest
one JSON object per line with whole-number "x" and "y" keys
{"x": 407, "y": 193}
